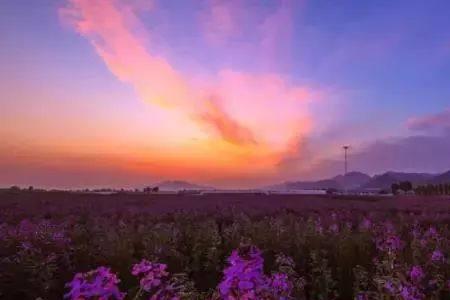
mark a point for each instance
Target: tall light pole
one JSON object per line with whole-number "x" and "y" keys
{"x": 346, "y": 147}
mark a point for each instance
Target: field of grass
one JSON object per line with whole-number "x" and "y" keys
{"x": 137, "y": 246}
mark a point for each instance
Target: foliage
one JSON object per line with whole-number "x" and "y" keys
{"x": 225, "y": 254}
{"x": 433, "y": 189}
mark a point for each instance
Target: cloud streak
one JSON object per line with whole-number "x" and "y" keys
{"x": 436, "y": 121}
{"x": 241, "y": 108}
{"x": 219, "y": 21}
{"x": 118, "y": 36}
{"x": 225, "y": 125}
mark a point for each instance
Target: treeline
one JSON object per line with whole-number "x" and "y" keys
{"x": 404, "y": 186}
{"x": 426, "y": 189}
{"x": 433, "y": 189}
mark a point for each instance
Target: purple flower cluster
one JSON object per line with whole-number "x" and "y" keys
{"x": 99, "y": 283}
{"x": 390, "y": 287}
{"x": 404, "y": 291}
{"x": 151, "y": 274}
{"x": 34, "y": 233}
{"x": 366, "y": 224}
{"x": 390, "y": 244}
{"x": 244, "y": 278}
{"x": 280, "y": 285}
{"x": 437, "y": 256}
{"x": 318, "y": 226}
{"x": 334, "y": 228}
{"x": 410, "y": 292}
{"x": 416, "y": 274}
{"x": 410, "y": 262}
{"x": 362, "y": 296}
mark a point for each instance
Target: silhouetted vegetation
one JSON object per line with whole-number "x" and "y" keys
{"x": 404, "y": 186}
{"x": 433, "y": 189}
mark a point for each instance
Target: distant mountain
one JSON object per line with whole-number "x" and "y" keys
{"x": 384, "y": 181}
{"x": 310, "y": 185}
{"x": 442, "y": 178}
{"x": 361, "y": 181}
{"x": 179, "y": 185}
{"x": 350, "y": 181}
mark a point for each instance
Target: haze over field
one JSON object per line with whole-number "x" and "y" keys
{"x": 221, "y": 93}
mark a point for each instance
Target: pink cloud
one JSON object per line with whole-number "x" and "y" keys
{"x": 240, "y": 108}
{"x": 437, "y": 121}
{"x": 270, "y": 31}
{"x": 276, "y": 33}
{"x": 269, "y": 105}
{"x": 224, "y": 124}
{"x": 219, "y": 20}
{"x": 117, "y": 35}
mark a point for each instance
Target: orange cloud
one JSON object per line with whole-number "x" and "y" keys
{"x": 225, "y": 125}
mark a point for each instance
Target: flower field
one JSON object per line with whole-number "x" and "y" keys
{"x": 61, "y": 245}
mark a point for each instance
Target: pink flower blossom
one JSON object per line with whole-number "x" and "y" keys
{"x": 151, "y": 274}
{"x": 97, "y": 284}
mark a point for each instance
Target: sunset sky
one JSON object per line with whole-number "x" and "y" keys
{"x": 109, "y": 93}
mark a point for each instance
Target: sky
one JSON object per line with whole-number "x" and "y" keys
{"x": 234, "y": 94}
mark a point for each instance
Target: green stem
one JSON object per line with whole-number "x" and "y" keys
{"x": 138, "y": 294}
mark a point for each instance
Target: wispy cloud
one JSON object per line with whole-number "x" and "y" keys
{"x": 240, "y": 108}
{"x": 276, "y": 35}
{"x": 225, "y": 125}
{"x": 220, "y": 20}
{"x": 438, "y": 121}
{"x": 263, "y": 34}
{"x": 118, "y": 36}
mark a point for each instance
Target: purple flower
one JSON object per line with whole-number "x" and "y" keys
{"x": 411, "y": 293}
{"x": 432, "y": 232}
{"x": 280, "y": 284}
{"x": 151, "y": 274}
{"x": 394, "y": 243}
{"x": 349, "y": 225}
{"x": 318, "y": 226}
{"x": 244, "y": 278}
{"x": 389, "y": 227}
{"x": 423, "y": 242}
{"x": 362, "y": 296}
{"x": 390, "y": 287}
{"x": 26, "y": 245}
{"x": 390, "y": 244}
{"x": 437, "y": 256}
{"x": 415, "y": 231}
{"x": 99, "y": 283}
{"x": 334, "y": 215}
{"x": 244, "y": 274}
{"x": 416, "y": 274}
{"x": 26, "y": 228}
{"x": 60, "y": 238}
{"x": 366, "y": 224}
{"x": 334, "y": 228}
